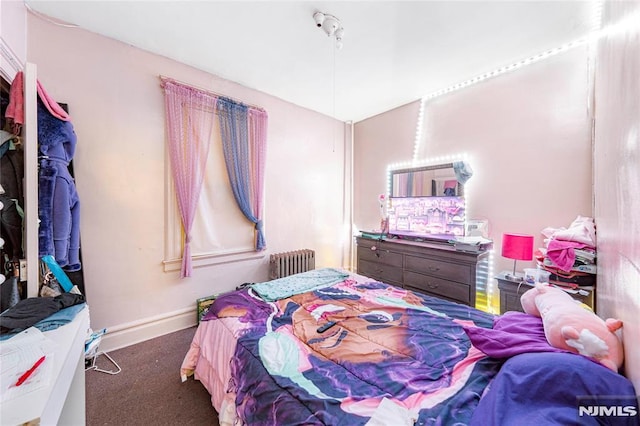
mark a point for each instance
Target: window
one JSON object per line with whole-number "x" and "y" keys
{"x": 208, "y": 138}
{"x": 220, "y": 231}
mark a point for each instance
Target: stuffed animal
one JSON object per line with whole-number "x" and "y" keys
{"x": 569, "y": 326}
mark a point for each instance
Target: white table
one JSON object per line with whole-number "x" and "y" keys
{"x": 63, "y": 401}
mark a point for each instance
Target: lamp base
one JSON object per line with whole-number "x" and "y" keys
{"x": 513, "y": 276}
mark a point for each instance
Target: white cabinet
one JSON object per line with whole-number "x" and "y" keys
{"x": 63, "y": 401}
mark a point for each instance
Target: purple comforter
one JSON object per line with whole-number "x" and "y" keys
{"x": 393, "y": 354}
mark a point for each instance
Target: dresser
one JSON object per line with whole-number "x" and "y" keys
{"x": 436, "y": 269}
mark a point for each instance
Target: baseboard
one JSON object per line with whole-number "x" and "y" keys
{"x": 128, "y": 334}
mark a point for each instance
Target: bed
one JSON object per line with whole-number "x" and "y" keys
{"x": 393, "y": 357}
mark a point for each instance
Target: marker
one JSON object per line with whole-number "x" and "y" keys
{"x": 30, "y": 371}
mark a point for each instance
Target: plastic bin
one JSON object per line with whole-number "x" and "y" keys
{"x": 534, "y": 275}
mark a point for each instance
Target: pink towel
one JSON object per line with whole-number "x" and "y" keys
{"x": 562, "y": 253}
{"x": 15, "y": 109}
{"x": 53, "y": 107}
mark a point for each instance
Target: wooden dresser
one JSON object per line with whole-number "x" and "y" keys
{"x": 436, "y": 269}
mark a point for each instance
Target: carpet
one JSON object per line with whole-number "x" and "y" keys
{"x": 148, "y": 390}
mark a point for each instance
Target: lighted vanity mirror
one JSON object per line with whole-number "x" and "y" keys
{"x": 427, "y": 181}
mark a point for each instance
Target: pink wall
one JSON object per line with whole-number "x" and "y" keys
{"x": 379, "y": 141}
{"x": 527, "y": 135}
{"x": 117, "y": 110}
{"x": 13, "y": 22}
{"x": 617, "y": 179}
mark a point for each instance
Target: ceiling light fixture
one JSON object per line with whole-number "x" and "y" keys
{"x": 331, "y": 26}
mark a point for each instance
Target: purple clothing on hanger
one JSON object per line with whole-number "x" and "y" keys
{"x": 59, "y": 204}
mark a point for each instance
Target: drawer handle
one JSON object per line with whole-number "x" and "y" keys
{"x": 433, "y": 268}
{"x": 375, "y": 250}
{"x": 433, "y": 286}
{"x": 379, "y": 271}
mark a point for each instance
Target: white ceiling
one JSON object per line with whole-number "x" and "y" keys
{"x": 394, "y": 52}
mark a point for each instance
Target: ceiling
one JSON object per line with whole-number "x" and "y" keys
{"x": 394, "y": 52}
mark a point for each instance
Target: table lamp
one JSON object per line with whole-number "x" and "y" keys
{"x": 517, "y": 247}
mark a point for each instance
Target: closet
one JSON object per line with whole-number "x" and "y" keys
{"x": 12, "y": 288}
{"x": 38, "y": 169}
{"x": 27, "y": 144}
{"x": 13, "y": 60}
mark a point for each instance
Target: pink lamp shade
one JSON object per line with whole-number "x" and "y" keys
{"x": 517, "y": 246}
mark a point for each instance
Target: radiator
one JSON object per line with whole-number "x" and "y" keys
{"x": 291, "y": 262}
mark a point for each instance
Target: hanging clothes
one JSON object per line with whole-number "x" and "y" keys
{"x": 59, "y": 208}
{"x": 58, "y": 201}
{"x": 11, "y": 196}
{"x": 15, "y": 109}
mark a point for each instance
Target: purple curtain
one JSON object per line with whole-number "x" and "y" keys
{"x": 190, "y": 118}
{"x": 244, "y": 139}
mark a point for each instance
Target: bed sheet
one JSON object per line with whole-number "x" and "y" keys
{"x": 209, "y": 361}
{"x": 393, "y": 354}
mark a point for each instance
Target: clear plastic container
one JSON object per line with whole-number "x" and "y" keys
{"x": 535, "y": 275}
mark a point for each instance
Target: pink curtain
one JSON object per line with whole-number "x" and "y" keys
{"x": 190, "y": 118}
{"x": 258, "y": 147}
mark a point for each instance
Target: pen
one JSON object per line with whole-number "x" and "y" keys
{"x": 30, "y": 371}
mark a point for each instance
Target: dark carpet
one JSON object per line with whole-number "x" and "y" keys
{"x": 148, "y": 390}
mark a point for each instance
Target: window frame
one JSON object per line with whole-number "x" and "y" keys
{"x": 174, "y": 231}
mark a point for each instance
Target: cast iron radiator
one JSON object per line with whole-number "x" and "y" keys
{"x": 291, "y": 262}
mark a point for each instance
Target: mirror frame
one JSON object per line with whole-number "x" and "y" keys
{"x": 393, "y": 173}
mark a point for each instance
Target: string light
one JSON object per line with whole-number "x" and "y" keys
{"x": 595, "y": 33}
{"x": 419, "y": 125}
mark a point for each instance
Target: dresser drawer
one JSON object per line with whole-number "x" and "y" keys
{"x": 438, "y": 268}
{"x": 380, "y": 255}
{"x": 385, "y": 273}
{"x": 437, "y": 286}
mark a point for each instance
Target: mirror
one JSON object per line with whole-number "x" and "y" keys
{"x": 428, "y": 181}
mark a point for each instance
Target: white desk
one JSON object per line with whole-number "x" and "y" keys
{"x": 63, "y": 401}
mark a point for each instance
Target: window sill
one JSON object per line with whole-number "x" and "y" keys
{"x": 214, "y": 259}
